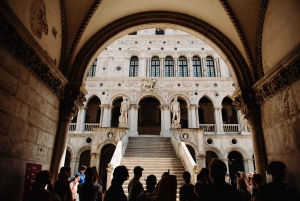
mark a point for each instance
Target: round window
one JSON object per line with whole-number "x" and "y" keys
{"x": 88, "y": 140}
{"x": 233, "y": 141}
{"x": 209, "y": 141}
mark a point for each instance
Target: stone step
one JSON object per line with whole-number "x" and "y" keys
{"x": 156, "y": 155}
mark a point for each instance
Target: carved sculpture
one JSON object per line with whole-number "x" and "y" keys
{"x": 123, "y": 111}
{"x": 149, "y": 84}
{"x": 175, "y": 109}
{"x": 37, "y": 18}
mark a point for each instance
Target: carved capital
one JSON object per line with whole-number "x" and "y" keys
{"x": 246, "y": 103}
{"x": 133, "y": 106}
{"x": 164, "y": 107}
{"x": 73, "y": 99}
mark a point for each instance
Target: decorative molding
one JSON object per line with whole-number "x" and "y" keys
{"x": 242, "y": 37}
{"x": 261, "y": 19}
{"x": 12, "y": 41}
{"x": 76, "y": 41}
{"x": 73, "y": 100}
{"x": 246, "y": 103}
{"x": 82, "y": 59}
{"x": 62, "y": 63}
{"x": 286, "y": 77}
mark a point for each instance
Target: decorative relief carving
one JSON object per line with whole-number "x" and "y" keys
{"x": 40, "y": 154}
{"x": 73, "y": 100}
{"x": 246, "y": 103}
{"x": 54, "y": 31}
{"x": 13, "y": 42}
{"x": 284, "y": 78}
{"x": 37, "y": 18}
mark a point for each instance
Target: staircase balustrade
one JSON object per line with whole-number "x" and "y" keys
{"x": 116, "y": 158}
{"x": 184, "y": 155}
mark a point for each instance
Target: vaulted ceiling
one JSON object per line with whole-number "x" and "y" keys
{"x": 252, "y": 27}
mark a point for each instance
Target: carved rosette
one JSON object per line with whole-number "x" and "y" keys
{"x": 73, "y": 100}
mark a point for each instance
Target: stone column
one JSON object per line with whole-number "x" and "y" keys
{"x": 201, "y": 161}
{"x": 142, "y": 67}
{"x": 165, "y": 120}
{"x": 101, "y": 116}
{"x": 217, "y": 67}
{"x": 190, "y": 67}
{"x": 148, "y": 65}
{"x": 219, "y": 120}
{"x": 245, "y": 101}
{"x": 192, "y": 116}
{"x": 68, "y": 108}
{"x": 225, "y": 160}
{"x": 248, "y": 164}
{"x": 176, "y": 67}
{"x": 201, "y": 158}
{"x": 197, "y": 116}
{"x": 73, "y": 165}
{"x": 133, "y": 119}
{"x": 203, "y": 65}
{"x": 95, "y": 160}
{"x": 81, "y": 119}
{"x": 110, "y": 170}
{"x": 106, "y": 122}
{"x": 162, "y": 69}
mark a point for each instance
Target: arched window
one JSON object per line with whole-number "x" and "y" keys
{"x": 134, "y": 66}
{"x": 155, "y": 68}
{"x": 92, "y": 71}
{"x": 169, "y": 67}
{"x": 210, "y": 67}
{"x": 182, "y": 67}
{"x": 159, "y": 32}
{"x": 229, "y": 73}
{"x": 197, "y": 67}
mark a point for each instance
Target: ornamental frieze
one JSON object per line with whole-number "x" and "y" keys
{"x": 287, "y": 76}
{"x": 26, "y": 55}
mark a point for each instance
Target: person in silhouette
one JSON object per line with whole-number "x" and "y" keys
{"x": 135, "y": 187}
{"x": 276, "y": 189}
{"x": 187, "y": 189}
{"x": 220, "y": 190}
{"x": 115, "y": 191}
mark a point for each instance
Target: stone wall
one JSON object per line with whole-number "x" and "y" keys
{"x": 280, "y": 120}
{"x": 29, "y": 114}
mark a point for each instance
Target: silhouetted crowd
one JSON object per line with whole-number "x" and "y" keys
{"x": 212, "y": 184}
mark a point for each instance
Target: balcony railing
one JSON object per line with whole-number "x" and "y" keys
{"x": 208, "y": 127}
{"x": 231, "y": 128}
{"x": 90, "y": 126}
{"x": 72, "y": 127}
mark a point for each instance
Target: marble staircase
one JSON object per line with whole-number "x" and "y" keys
{"x": 156, "y": 155}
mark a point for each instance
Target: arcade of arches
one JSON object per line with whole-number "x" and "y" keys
{"x": 45, "y": 58}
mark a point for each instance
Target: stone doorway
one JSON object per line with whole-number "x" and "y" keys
{"x": 149, "y": 117}
{"x": 106, "y": 155}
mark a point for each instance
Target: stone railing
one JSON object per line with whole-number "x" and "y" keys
{"x": 90, "y": 126}
{"x": 72, "y": 127}
{"x": 116, "y": 158}
{"x": 231, "y": 128}
{"x": 208, "y": 128}
{"x": 184, "y": 155}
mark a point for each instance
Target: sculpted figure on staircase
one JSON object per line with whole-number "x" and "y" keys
{"x": 175, "y": 109}
{"x": 123, "y": 111}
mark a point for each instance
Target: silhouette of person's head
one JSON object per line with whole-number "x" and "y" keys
{"x": 278, "y": 171}
{"x": 120, "y": 174}
{"x": 217, "y": 169}
{"x": 138, "y": 171}
{"x": 186, "y": 177}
